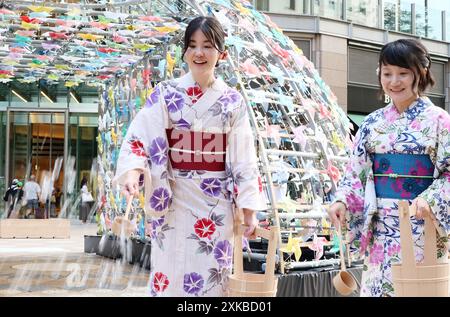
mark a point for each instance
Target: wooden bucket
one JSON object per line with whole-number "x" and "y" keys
{"x": 251, "y": 284}
{"x": 427, "y": 279}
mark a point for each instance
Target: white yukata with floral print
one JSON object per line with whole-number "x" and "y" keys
{"x": 373, "y": 222}
{"x": 192, "y": 243}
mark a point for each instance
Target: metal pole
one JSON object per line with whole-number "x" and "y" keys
{"x": 380, "y": 14}
{"x": 413, "y": 18}
{"x": 444, "y": 26}
{"x": 344, "y": 10}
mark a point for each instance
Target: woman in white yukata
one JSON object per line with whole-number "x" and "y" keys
{"x": 408, "y": 137}
{"x": 195, "y": 147}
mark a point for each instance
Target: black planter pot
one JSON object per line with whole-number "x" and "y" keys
{"x": 91, "y": 243}
{"x": 135, "y": 251}
{"x": 109, "y": 247}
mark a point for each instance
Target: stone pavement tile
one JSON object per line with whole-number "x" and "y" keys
{"x": 74, "y": 274}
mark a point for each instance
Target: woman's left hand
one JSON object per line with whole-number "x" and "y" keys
{"x": 421, "y": 207}
{"x": 251, "y": 222}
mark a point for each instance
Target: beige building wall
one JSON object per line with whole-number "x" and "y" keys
{"x": 331, "y": 60}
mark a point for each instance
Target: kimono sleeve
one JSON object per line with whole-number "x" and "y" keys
{"x": 145, "y": 148}
{"x": 351, "y": 189}
{"x": 242, "y": 162}
{"x": 438, "y": 193}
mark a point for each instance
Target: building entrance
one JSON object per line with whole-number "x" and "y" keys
{"x": 37, "y": 145}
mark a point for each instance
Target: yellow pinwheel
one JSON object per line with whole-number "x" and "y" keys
{"x": 336, "y": 140}
{"x": 141, "y": 200}
{"x": 243, "y": 10}
{"x": 166, "y": 29}
{"x": 293, "y": 246}
{"x": 52, "y": 77}
{"x": 170, "y": 63}
{"x": 112, "y": 200}
{"x": 92, "y": 37}
{"x": 28, "y": 26}
{"x": 71, "y": 83}
{"x": 62, "y": 67}
{"x": 143, "y": 47}
{"x": 113, "y": 136}
{"x": 41, "y": 9}
{"x": 325, "y": 224}
{"x": 99, "y": 143}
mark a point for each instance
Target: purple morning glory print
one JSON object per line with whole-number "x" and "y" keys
{"x": 154, "y": 97}
{"x": 174, "y": 101}
{"x": 223, "y": 253}
{"x": 160, "y": 199}
{"x": 211, "y": 187}
{"x": 182, "y": 124}
{"x": 158, "y": 151}
{"x": 229, "y": 96}
{"x": 193, "y": 283}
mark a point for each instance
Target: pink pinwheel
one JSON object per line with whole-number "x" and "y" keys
{"x": 7, "y": 12}
{"x": 66, "y": 23}
{"x": 150, "y": 19}
{"x": 26, "y": 33}
{"x": 58, "y": 35}
{"x": 250, "y": 68}
{"x": 6, "y": 72}
{"x": 119, "y": 39}
{"x": 107, "y": 50}
{"x": 333, "y": 172}
{"x": 146, "y": 76}
{"x": 317, "y": 246}
{"x": 324, "y": 111}
{"x": 19, "y": 50}
{"x": 272, "y": 131}
{"x": 300, "y": 137}
{"x": 99, "y": 25}
{"x": 280, "y": 52}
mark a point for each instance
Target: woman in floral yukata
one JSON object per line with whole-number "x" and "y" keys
{"x": 408, "y": 137}
{"x": 195, "y": 147}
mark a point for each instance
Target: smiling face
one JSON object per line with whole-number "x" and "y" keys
{"x": 201, "y": 55}
{"x": 398, "y": 83}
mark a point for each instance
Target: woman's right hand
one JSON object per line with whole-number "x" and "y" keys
{"x": 336, "y": 212}
{"x": 131, "y": 183}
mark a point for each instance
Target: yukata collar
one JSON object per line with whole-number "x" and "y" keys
{"x": 187, "y": 81}
{"x": 414, "y": 109}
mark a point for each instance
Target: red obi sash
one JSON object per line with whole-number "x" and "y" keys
{"x": 189, "y": 150}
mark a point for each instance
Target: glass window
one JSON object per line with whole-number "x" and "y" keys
{"x": 438, "y": 71}
{"x": 363, "y": 12}
{"x": 262, "y": 5}
{"x": 362, "y": 66}
{"x": 363, "y": 100}
{"x": 390, "y": 15}
{"x": 329, "y": 9}
{"x": 305, "y": 46}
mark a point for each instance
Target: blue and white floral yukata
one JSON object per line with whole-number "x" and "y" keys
{"x": 373, "y": 221}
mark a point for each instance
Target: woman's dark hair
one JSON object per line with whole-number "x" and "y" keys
{"x": 410, "y": 54}
{"x": 209, "y": 26}
{"x": 83, "y": 181}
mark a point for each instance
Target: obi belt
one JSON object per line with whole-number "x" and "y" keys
{"x": 402, "y": 176}
{"x": 190, "y": 150}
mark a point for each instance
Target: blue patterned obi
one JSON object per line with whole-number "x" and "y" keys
{"x": 401, "y": 176}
